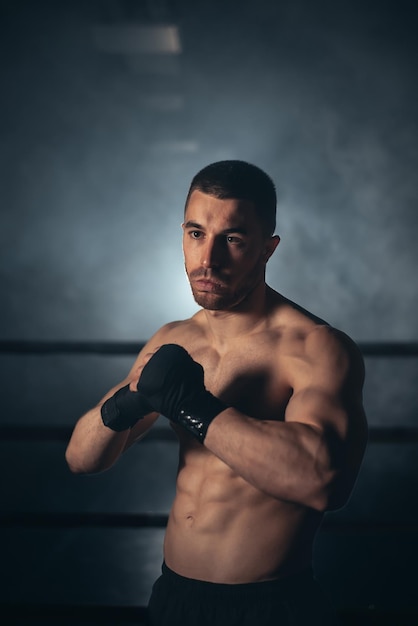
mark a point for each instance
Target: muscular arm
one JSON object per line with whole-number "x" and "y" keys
{"x": 313, "y": 456}
{"x": 93, "y": 447}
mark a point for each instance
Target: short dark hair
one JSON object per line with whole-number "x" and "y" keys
{"x": 241, "y": 180}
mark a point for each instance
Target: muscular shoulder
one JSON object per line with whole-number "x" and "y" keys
{"x": 334, "y": 355}
{"x": 318, "y": 353}
{"x": 182, "y": 332}
{"x": 330, "y": 363}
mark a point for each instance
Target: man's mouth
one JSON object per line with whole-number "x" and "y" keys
{"x": 207, "y": 284}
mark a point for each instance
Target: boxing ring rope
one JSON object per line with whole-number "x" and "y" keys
{"x": 110, "y": 614}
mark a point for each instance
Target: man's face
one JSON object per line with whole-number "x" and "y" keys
{"x": 225, "y": 251}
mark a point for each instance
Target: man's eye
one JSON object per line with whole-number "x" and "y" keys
{"x": 195, "y": 234}
{"x": 232, "y": 239}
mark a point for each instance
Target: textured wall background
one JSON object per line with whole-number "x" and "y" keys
{"x": 100, "y": 135}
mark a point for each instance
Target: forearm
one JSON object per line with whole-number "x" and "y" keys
{"x": 93, "y": 447}
{"x": 288, "y": 461}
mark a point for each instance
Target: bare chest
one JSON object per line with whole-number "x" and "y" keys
{"x": 249, "y": 377}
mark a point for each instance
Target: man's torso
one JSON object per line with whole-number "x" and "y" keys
{"x": 221, "y": 528}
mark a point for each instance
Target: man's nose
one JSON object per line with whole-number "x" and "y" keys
{"x": 211, "y": 253}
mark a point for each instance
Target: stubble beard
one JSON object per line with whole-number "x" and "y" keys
{"x": 224, "y": 299}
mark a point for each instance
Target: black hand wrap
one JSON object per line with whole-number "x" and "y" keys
{"x": 172, "y": 383}
{"x": 124, "y": 409}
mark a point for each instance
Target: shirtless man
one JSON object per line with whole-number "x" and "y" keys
{"x": 266, "y": 401}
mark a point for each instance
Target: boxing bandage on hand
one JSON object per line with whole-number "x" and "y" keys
{"x": 173, "y": 384}
{"x": 124, "y": 409}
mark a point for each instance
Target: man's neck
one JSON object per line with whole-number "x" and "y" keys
{"x": 229, "y": 325}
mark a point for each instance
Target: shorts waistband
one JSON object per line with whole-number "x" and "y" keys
{"x": 278, "y": 586}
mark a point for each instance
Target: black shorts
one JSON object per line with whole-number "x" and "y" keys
{"x": 294, "y": 601}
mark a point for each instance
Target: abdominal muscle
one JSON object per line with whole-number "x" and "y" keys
{"x": 221, "y": 529}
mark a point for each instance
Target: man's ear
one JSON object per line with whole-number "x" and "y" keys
{"x": 270, "y": 246}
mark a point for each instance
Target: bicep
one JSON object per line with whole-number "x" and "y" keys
{"x": 340, "y": 434}
{"x": 327, "y": 394}
{"x": 327, "y": 390}
{"x": 319, "y": 408}
{"x": 341, "y": 430}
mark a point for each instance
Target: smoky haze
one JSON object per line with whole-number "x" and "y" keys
{"x": 97, "y": 156}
